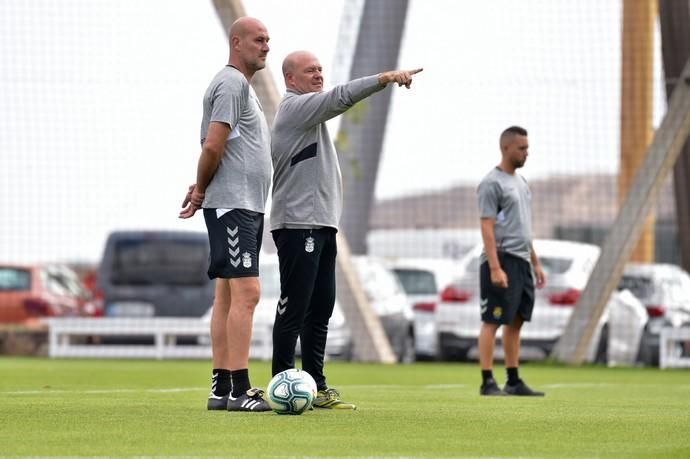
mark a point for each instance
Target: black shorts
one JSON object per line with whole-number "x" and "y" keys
{"x": 500, "y": 305}
{"x": 235, "y": 241}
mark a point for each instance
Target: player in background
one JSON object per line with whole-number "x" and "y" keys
{"x": 509, "y": 265}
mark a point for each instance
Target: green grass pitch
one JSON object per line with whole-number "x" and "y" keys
{"x": 150, "y": 408}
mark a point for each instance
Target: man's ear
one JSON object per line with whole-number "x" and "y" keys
{"x": 235, "y": 41}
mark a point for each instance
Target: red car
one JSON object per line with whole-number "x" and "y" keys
{"x": 30, "y": 292}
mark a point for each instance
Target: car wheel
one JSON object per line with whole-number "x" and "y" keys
{"x": 646, "y": 354}
{"x": 424, "y": 358}
{"x": 453, "y": 354}
{"x": 407, "y": 352}
{"x": 601, "y": 355}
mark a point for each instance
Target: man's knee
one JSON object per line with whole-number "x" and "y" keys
{"x": 245, "y": 292}
{"x": 489, "y": 328}
{"x": 516, "y": 324}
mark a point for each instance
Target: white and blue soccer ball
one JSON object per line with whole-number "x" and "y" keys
{"x": 291, "y": 391}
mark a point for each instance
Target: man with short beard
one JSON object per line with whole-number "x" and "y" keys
{"x": 509, "y": 265}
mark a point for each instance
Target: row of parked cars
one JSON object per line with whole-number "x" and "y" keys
{"x": 147, "y": 274}
{"x": 429, "y": 308}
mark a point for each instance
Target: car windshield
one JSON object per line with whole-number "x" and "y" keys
{"x": 416, "y": 282}
{"x": 555, "y": 265}
{"x": 175, "y": 262}
{"x": 639, "y": 286}
{"x": 12, "y": 279}
{"x": 378, "y": 283}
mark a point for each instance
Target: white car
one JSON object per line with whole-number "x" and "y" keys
{"x": 388, "y": 300}
{"x": 339, "y": 343}
{"x": 423, "y": 280}
{"x": 567, "y": 266}
{"x": 664, "y": 290}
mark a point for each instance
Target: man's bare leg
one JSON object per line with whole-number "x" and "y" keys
{"x": 511, "y": 342}
{"x": 220, "y": 377}
{"x": 511, "y": 347}
{"x": 486, "y": 342}
{"x": 244, "y": 298}
{"x": 219, "y": 325}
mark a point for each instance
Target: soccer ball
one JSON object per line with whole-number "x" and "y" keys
{"x": 291, "y": 391}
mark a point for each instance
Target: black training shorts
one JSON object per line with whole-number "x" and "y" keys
{"x": 500, "y": 305}
{"x": 235, "y": 240}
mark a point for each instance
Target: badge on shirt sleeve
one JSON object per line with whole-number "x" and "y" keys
{"x": 309, "y": 244}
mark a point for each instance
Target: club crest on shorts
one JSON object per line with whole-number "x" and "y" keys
{"x": 309, "y": 244}
{"x": 246, "y": 260}
{"x": 498, "y": 312}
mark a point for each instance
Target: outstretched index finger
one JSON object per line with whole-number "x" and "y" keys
{"x": 412, "y": 72}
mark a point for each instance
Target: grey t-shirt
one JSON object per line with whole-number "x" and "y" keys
{"x": 307, "y": 183}
{"x": 243, "y": 177}
{"x": 507, "y": 199}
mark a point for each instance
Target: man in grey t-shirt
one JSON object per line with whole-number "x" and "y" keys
{"x": 307, "y": 203}
{"x": 233, "y": 180}
{"x": 508, "y": 262}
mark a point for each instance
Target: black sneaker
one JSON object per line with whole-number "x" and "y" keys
{"x": 490, "y": 388}
{"x": 521, "y": 389}
{"x": 217, "y": 402}
{"x": 252, "y": 400}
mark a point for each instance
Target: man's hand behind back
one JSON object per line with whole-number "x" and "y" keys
{"x": 192, "y": 202}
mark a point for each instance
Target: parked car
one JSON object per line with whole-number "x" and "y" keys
{"x": 423, "y": 279}
{"x": 664, "y": 290}
{"x": 567, "y": 266}
{"x": 387, "y": 297}
{"x": 29, "y": 293}
{"x": 339, "y": 343}
{"x": 155, "y": 274}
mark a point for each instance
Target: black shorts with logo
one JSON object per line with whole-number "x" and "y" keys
{"x": 235, "y": 241}
{"x": 500, "y": 305}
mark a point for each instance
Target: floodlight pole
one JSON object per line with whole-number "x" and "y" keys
{"x": 362, "y": 129}
{"x": 674, "y": 19}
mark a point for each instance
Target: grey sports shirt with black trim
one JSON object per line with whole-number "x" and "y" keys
{"x": 507, "y": 199}
{"x": 307, "y": 183}
{"x": 243, "y": 177}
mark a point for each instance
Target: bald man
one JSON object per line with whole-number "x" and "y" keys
{"x": 307, "y": 203}
{"x": 232, "y": 184}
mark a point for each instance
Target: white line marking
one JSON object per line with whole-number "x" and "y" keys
{"x": 101, "y": 391}
{"x": 49, "y": 391}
